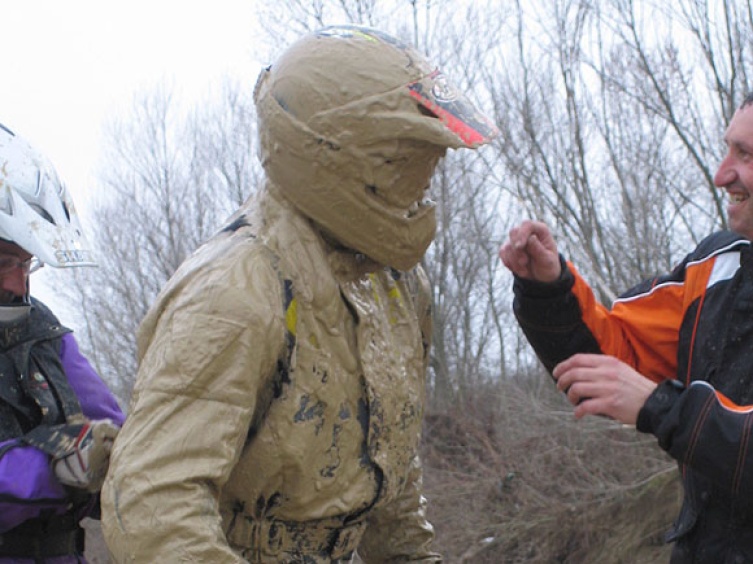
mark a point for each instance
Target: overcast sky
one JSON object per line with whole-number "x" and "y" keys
{"x": 68, "y": 65}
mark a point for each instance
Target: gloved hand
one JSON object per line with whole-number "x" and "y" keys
{"x": 85, "y": 466}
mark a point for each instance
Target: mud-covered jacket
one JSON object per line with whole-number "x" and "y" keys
{"x": 44, "y": 381}
{"x": 692, "y": 332}
{"x": 277, "y": 411}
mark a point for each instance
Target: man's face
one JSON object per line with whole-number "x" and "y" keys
{"x": 14, "y": 272}
{"x": 735, "y": 174}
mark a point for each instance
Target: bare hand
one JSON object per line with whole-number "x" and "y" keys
{"x": 603, "y": 385}
{"x": 531, "y": 252}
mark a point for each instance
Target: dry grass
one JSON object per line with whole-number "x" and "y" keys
{"x": 522, "y": 481}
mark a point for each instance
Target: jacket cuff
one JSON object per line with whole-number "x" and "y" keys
{"x": 547, "y": 305}
{"x": 534, "y": 289}
{"x": 658, "y": 405}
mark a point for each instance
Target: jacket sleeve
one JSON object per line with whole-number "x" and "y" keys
{"x": 564, "y": 317}
{"x": 399, "y": 531}
{"x": 26, "y": 494}
{"x": 95, "y": 398}
{"x": 214, "y": 346}
{"x": 718, "y": 442}
{"x": 551, "y": 319}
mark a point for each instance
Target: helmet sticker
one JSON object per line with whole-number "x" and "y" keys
{"x": 455, "y": 111}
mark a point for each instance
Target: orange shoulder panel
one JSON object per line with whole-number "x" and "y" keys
{"x": 643, "y": 330}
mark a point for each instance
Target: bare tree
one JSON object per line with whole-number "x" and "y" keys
{"x": 609, "y": 133}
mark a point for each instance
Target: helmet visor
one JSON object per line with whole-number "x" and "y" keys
{"x": 454, "y": 110}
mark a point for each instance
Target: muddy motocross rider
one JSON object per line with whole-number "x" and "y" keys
{"x": 277, "y": 411}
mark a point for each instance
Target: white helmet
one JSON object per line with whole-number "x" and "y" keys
{"x": 352, "y": 123}
{"x": 36, "y": 211}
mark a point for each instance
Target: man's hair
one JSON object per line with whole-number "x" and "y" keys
{"x": 747, "y": 101}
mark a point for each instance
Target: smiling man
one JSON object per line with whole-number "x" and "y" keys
{"x": 673, "y": 356}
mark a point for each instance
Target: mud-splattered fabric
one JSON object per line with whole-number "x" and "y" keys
{"x": 271, "y": 425}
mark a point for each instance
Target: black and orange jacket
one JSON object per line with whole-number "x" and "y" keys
{"x": 691, "y": 331}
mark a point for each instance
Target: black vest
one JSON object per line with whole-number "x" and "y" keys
{"x": 34, "y": 389}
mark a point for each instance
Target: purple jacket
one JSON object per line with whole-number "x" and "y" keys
{"x": 27, "y": 483}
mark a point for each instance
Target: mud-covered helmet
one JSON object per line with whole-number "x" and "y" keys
{"x": 36, "y": 210}
{"x": 352, "y": 123}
